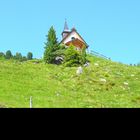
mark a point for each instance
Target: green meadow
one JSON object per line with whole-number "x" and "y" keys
{"x": 103, "y": 84}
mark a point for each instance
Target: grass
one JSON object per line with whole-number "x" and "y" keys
{"x": 54, "y": 86}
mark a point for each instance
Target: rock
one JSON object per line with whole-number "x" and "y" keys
{"x": 125, "y": 83}
{"x": 58, "y": 60}
{"x": 96, "y": 64}
{"x": 132, "y": 75}
{"x": 103, "y": 80}
{"x": 36, "y": 63}
{"x": 87, "y": 64}
{"x": 79, "y": 71}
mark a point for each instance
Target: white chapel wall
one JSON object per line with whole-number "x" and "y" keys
{"x": 73, "y": 34}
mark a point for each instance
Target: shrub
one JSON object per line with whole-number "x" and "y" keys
{"x": 72, "y": 57}
{"x": 29, "y": 56}
{"x": 83, "y": 55}
{"x": 2, "y": 55}
{"x": 18, "y": 56}
{"x": 8, "y": 55}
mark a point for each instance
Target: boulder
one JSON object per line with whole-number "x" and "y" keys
{"x": 87, "y": 64}
{"x": 79, "y": 71}
{"x": 58, "y": 60}
{"x": 125, "y": 83}
{"x": 103, "y": 80}
{"x": 132, "y": 75}
{"x": 96, "y": 64}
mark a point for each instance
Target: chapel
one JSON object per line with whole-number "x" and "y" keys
{"x": 72, "y": 37}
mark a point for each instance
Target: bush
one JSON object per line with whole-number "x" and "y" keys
{"x": 24, "y": 58}
{"x": 8, "y": 55}
{"x": 18, "y": 56}
{"x": 74, "y": 57}
{"x": 83, "y": 55}
{"x": 2, "y": 55}
{"x": 29, "y": 56}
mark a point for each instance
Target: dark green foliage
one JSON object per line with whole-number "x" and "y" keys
{"x": 60, "y": 51}
{"x": 138, "y": 65}
{"x": 2, "y": 54}
{"x": 74, "y": 57}
{"x": 30, "y": 56}
{"x": 24, "y": 58}
{"x": 18, "y": 56}
{"x": 51, "y": 46}
{"x": 8, "y": 55}
{"x": 83, "y": 55}
{"x": 55, "y": 53}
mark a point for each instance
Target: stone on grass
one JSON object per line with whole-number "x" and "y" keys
{"x": 59, "y": 60}
{"x": 125, "y": 83}
{"x": 103, "y": 80}
{"x": 79, "y": 71}
{"x": 57, "y": 94}
{"x": 96, "y": 64}
{"x": 87, "y": 64}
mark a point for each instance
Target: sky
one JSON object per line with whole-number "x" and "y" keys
{"x": 110, "y": 27}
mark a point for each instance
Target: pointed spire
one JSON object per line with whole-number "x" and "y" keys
{"x": 66, "y": 28}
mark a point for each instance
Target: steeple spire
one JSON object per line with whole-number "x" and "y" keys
{"x": 66, "y": 28}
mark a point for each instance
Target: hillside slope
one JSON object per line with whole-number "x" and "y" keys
{"x": 102, "y": 84}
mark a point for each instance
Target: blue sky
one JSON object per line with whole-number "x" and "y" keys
{"x": 110, "y": 27}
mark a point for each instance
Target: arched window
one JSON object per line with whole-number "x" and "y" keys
{"x": 73, "y": 38}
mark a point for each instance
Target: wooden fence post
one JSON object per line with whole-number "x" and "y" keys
{"x": 31, "y": 104}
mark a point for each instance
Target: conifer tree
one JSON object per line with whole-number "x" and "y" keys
{"x": 51, "y": 46}
{"x": 2, "y": 54}
{"x": 30, "y": 56}
{"x": 18, "y": 56}
{"x": 8, "y": 55}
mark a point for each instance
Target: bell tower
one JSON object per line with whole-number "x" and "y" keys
{"x": 66, "y": 30}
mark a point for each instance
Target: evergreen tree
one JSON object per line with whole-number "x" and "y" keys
{"x": 51, "y": 46}
{"x": 138, "y": 64}
{"x": 24, "y": 58}
{"x": 18, "y": 56}
{"x": 30, "y": 56}
{"x": 8, "y": 55}
{"x": 2, "y": 54}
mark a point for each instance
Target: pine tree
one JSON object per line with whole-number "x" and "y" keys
{"x": 30, "y": 56}
{"x": 8, "y": 55}
{"x": 51, "y": 46}
{"x": 2, "y": 54}
{"x": 18, "y": 56}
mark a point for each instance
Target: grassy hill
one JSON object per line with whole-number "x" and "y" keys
{"x": 102, "y": 84}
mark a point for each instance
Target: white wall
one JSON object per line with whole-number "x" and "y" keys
{"x": 73, "y": 34}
